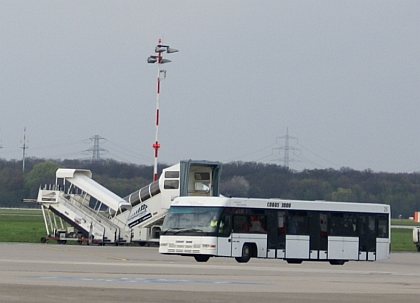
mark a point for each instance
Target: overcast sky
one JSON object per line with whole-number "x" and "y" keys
{"x": 342, "y": 76}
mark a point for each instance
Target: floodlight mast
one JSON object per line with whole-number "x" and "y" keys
{"x": 159, "y": 49}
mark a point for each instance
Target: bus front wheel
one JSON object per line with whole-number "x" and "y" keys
{"x": 246, "y": 254}
{"x": 201, "y": 258}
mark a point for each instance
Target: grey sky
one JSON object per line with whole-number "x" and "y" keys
{"x": 342, "y": 76}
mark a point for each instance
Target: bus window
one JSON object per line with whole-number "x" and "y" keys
{"x": 281, "y": 222}
{"x": 297, "y": 223}
{"x": 371, "y": 225}
{"x": 383, "y": 226}
{"x": 257, "y": 224}
{"x": 350, "y": 225}
{"x": 323, "y": 223}
{"x": 343, "y": 225}
{"x": 240, "y": 224}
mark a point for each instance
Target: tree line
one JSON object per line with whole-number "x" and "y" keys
{"x": 240, "y": 179}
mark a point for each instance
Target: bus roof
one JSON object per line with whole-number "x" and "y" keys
{"x": 281, "y": 204}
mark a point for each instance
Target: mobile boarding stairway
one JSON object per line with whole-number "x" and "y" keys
{"x": 71, "y": 212}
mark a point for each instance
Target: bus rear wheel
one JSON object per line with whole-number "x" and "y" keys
{"x": 246, "y": 254}
{"x": 337, "y": 262}
{"x": 201, "y": 258}
{"x": 294, "y": 261}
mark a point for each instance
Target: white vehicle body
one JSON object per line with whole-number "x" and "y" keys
{"x": 280, "y": 229}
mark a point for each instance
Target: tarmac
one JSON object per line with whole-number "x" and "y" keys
{"x": 81, "y": 273}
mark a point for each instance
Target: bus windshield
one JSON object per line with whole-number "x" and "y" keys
{"x": 191, "y": 220}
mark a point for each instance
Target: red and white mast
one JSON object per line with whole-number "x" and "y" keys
{"x": 159, "y": 49}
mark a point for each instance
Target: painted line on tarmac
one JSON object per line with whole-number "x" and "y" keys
{"x": 146, "y": 280}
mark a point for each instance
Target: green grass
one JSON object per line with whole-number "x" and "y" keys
{"x": 20, "y": 211}
{"x": 402, "y": 239}
{"x": 404, "y": 222}
{"x": 22, "y": 225}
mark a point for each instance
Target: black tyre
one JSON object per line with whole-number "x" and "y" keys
{"x": 337, "y": 262}
{"x": 43, "y": 240}
{"x": 294, "y": 261}
{"x": 201, "y": 258}
{"x": 246, "y": 254}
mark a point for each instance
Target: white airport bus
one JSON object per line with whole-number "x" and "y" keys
{"x": 292, "y": 230}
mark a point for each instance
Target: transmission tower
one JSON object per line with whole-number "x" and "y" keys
{"x": 24, "y": 148}
{"x": 286, "y": 159}
{"x": 96, "y": 149}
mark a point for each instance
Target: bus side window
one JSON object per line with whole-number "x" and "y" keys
{"x": 350, "y": 225}
{"x": 297, "y": 223}
{"x": 323, "y": 223}
{"x": 240, "y": 224}
{"x": 257, "y": 224}
{"x": 382, "y": 226}
{"x": 292, "y": 225}
{"x": 336, "y": 224}
{"x": 371, "y": 225}
{"x": 281, "y": 218}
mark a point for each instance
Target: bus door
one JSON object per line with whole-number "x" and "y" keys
{"x": 239, "y": 233}
{"x": 276, "y": 234}
{"x": 367, "y": 237}
{"x": 224, "y": 239}
{"x": 297, "y": 236}
{"x": 318, "y": 235}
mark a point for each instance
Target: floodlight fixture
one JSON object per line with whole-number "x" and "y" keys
{"x": 152, "y": 59}
{"x": 159, "y": 49}
{"x": 171, "y": 50}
